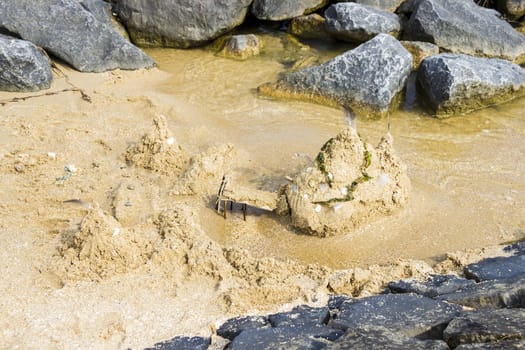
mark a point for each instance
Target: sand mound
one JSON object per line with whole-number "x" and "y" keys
{"x": 350, "y": 183}
{"x": 157, "y": 150}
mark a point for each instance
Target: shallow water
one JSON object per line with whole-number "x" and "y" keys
{"x": 467, "y": 172}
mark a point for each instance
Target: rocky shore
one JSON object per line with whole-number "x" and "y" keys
{"x": 484, "y": 309}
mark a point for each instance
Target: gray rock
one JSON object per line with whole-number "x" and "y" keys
{"x": 335, "y": 301}
{"x": 278, "y": 10}
{"x": 500, "y": 345}
{"x": 240, "y": 46}
{"x": 433, "y": 286}
{"x": 366, "y": 79}
{"x": 386, "y": 5}
{"x": 183, "y": 343}
{"x": 23, "y": 67}
{"x": 512, "y": 9}
{"x": 462, "y": 26}
{"x": 103, "y": 12}
{"x": 379, "y": 338}
{"x": 180, "y": 23}
{"x": 455, "y": 83}
{"x": 408, "y": 314}
{"x": 233, "y": 327}
{"x": 358, "y": 23}
{"x": 301, "y": 316}
{"x": 289, "y": 338}
{"x": 516, "y": 248}
{"x": 484, "y": 326}
{"x": 496, "y": 268}
{"x": 489, "y": 294}
{"x": 65, "y": 29}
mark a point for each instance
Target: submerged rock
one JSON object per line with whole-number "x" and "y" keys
{"x": 278, "y": 10}
{"x": 239, "y": 46}
{"x": 455, "y": 83}
{"x": 349, "y": 183}
{"x": 180, "y": 23}
{"x": 309, "y": 27}
{"x": 512, "y": 9}
{"x": 366, "y": 79}
{"x": 462, "y": 26}
{"x": 486, "y": 326}
{"x": 23, "y": 67}
{"x": 420, "y": 50}
{"x": 72, "y": 34}
{"x": 358, "y": 23}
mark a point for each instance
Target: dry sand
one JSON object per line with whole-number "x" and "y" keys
{"x": 101, "y": 228}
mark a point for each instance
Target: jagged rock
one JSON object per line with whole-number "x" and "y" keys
{"x": 379, "y": 338}
{"x": 408, "y": 314}
{"x": 455, "y": 83}
{"x": 462, "y": 26}
{"x": 72, "y": 34}
{"x": 366, "y": 79}
{"x": 498, "y": 293}
{"x": 485, "y": 326}
{"x": 233, "y": 327}
{"x": 420, "y": 50}
{"x": 309, "y": 27}
{"x": 350, "y": 182}
{"x": 512, "y": 9}
{"x": 500, "y": 345}
{"x": 23, "y": 67}
{"x": 433, "y": 286}
{"x": 496, "y": 268}
{"x": 386, "y": 5}
{"x": 103, "y": 12}
{"x": 335, "y": 301}
{"x": 301, "y": 316}
{"x": 278, "y": 10}
{"x": 359, "y": 23}
{"x": 180, "y": 23}
{"x": 516, "y": 248}
{"x": 239, "y": 46}
{"x": 289, "y": 338}
{"x": 183, "y": 343}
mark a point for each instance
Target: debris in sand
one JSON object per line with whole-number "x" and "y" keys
{"x": 157, "y": 150}
{"x": 349, "y": 183}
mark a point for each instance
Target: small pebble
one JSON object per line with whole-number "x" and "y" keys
{"x": 170, "y": 141}
{"x": 116, "y": 232}
{"x": 318, "y": 208}
{"x": 51, "y": 155}
{"x": 344, "y": 191}
{"x": 20, "y": 168}
{"x": 70, "y": 168}
{"x": 130, "y": 187}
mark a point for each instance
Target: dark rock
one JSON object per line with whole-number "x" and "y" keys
{"x": 23, "y": 67}
{"x": 455, "y": 83}
{"x": 65, "y": 29}
{"x": 408, "y": 314}
{"x": 180, "y": 23}
{"x": 433, "y": 286}
{"x": 496, "y": 268}
{"x": 183, "y": 343}
{"x": 278, "y": 10}
{"x": 516, "y": 248}
{"x": 366, "y": 79}
{"x": 233, "y": 327}
{"x": 484, "y": 326}
{"x": 240, "y": 46}
{"x": 379, "y": 338}
{"x": 462, "y": 26}
{"x": 301, "y": 316}
{"x": 103, "y": 12}
{"x": 335, "y": 301}
{"x": 358, "y": 23}
{"x": 512, "y": 9}
{"x": 498, "y": 293}
{"x": 309, "y": 27}
{"x": 289, "y": 338}
{"x": 386, "y": 5}
{"x": 500, "y": 345}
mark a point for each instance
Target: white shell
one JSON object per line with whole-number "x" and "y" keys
{"x": 344, "y": 191}
{"x": 318, "y": 208}
{"x": 70, "y": 168}
{"x": 51, "y": 155}
{"x": 170, "y": 141}
{"x": 338, "y": 206}
{"x": 116, "y": 231}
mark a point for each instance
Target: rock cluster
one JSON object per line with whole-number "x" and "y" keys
{"x": 409, "y": 315}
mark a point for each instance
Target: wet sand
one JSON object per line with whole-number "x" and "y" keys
{"x": 467, "y": 174}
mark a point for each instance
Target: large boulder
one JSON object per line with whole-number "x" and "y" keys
{"x": 23, "y": 67}
{"x": 68, "y": 31}
{"x": 366, "y": 79}
{"x": 460, "y": 83}
{"x": 513, "y": 9}
{"x": 461, "y": 26}
{"x": 278, "y": 10}
{"x": 386, "y": 5}
{"x": 349, "y": 183}
{"x": 180, "y": 23}
{"x": 358, "y": 23}
{"x": 103, "y": 12}
{"x": 311, "y": 26}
